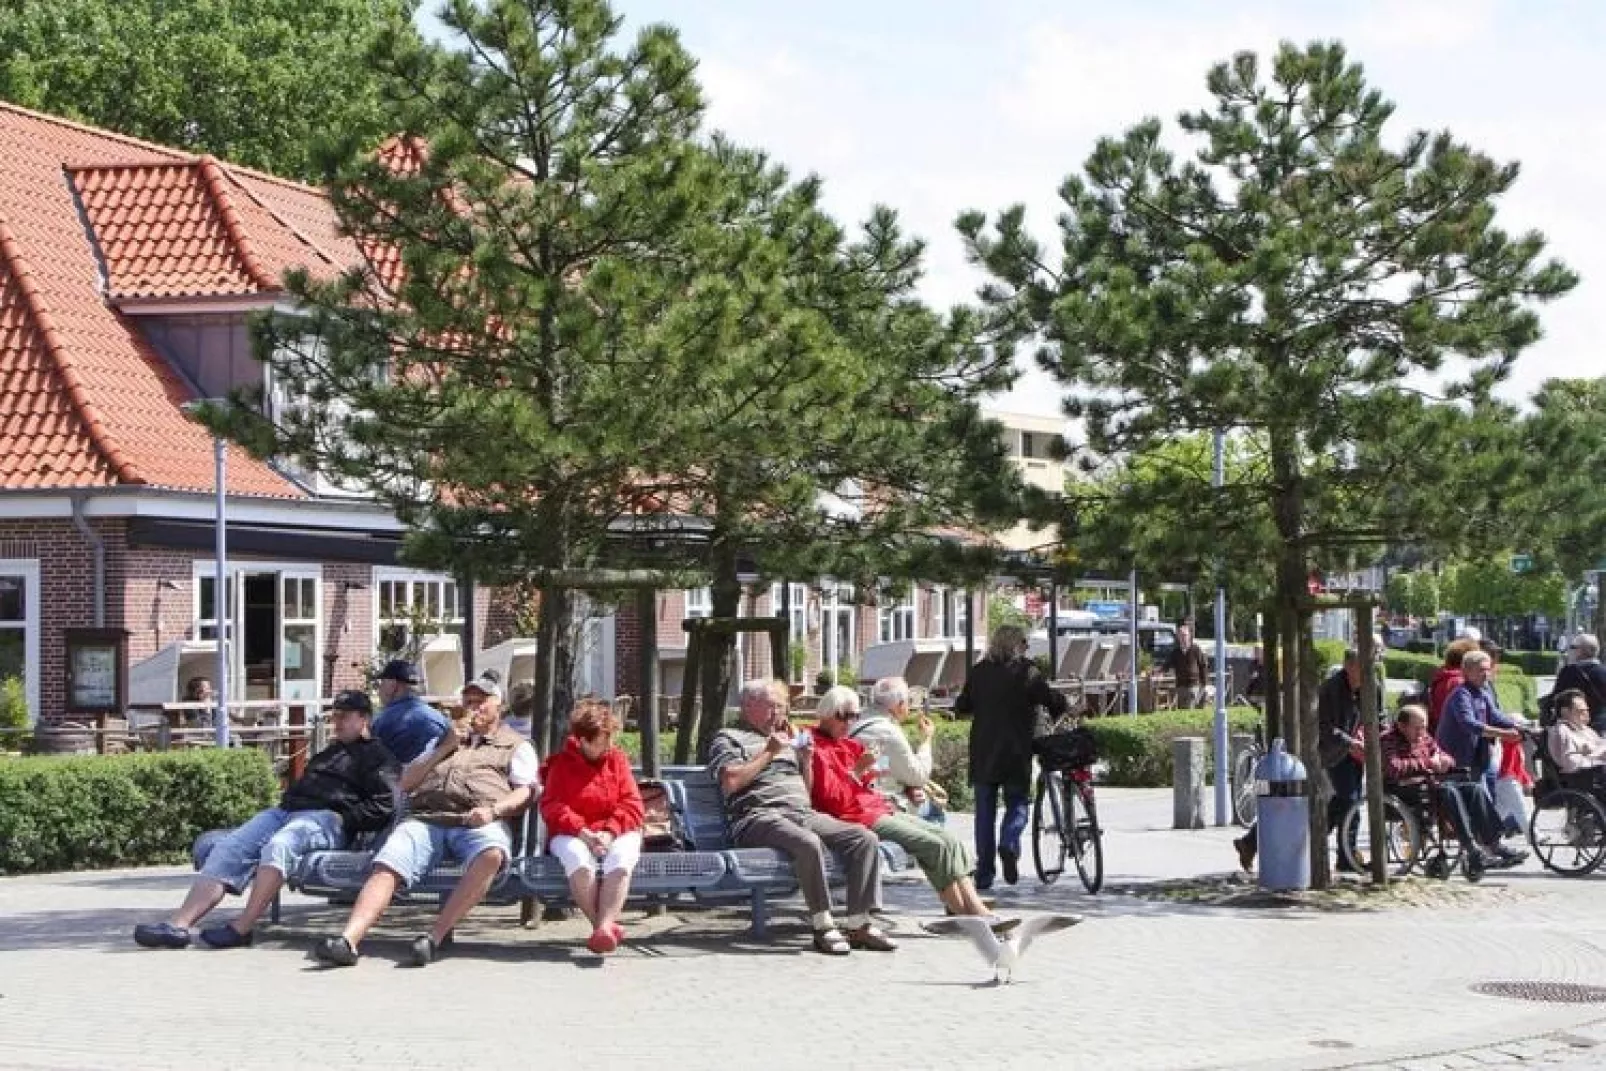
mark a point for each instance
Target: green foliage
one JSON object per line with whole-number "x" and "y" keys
{"x": 845, "y": 676}
{"x": 797, "y": 657}
{"x": 1486, "y": 587}
{"x": 253, "y": 81}
{"x": 1138, "y": 749}
{"x": 1564, "y": 504}
{"x": 1329, "y": 653}
{"x": 1533, "y": 663}
{"x": 1001, "y": 611}
{"x": 1413, "y": 592}
{"x": 89, "y": 811}
{"x": 14, "y": 717}
{"x": 1403, "y": 665}
{"x": 1515, "y": 690}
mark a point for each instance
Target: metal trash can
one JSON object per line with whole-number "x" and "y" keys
{"x": 1283, "y": 816}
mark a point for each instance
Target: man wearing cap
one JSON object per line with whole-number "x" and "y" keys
{"x": 348, "y": 787}
{"x": 460, "y": 795}
{"x": 407, "y": 725}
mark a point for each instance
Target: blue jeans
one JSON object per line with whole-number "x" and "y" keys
{"x": 989, "y": 839}
{"x": 415, "y": 848}
{"x": 276, "y": 838}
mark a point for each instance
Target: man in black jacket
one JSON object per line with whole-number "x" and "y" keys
{"x": 349, "y": 787}
{"x": 1002, "y": 694}
{"x": 1339, "y": 742}
{"x": 1584, "y": 673}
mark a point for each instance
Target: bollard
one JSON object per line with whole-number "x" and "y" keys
{"x": 1282, "y": 814}
{"x": 1187, "y": 782}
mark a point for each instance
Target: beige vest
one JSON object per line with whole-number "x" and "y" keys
{"x": 475, "y": 775}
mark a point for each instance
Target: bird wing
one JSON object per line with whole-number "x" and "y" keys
{"x": 973, "y": 927}
{"x": 1032, "y": 929}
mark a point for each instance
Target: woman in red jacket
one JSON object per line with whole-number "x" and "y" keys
{"x": 592, "y": 810}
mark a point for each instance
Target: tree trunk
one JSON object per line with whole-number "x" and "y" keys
{"x": 719, "y": 650}
{"x": 1600, "y": 603}
{"x": 1270, "y": 663}
{"x": 1310, "y": 678}
{"x": 554, "y": 670}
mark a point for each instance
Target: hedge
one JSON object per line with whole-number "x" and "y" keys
{"x": 1533, "y": 663}
{"x": 90, "y": 811}
{"x": 1515, "y": 690}
{"x": 1136, "y": 750}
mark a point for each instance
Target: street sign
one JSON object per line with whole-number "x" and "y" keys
{"x": 1521, "y": 563}
{"x": 1107, "y": 609}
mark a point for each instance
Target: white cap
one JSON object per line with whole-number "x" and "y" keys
{"x": 487, "y": 683}
{"x": 1470, "y": 633}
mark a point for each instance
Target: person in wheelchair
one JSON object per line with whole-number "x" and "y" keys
{"x": 1414, "y": 766}
{"x": 1578, "y": 751}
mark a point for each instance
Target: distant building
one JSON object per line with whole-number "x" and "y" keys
{"x": 1034, "y": 443}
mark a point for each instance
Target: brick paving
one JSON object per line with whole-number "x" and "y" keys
{"x": 1142, "y": 984}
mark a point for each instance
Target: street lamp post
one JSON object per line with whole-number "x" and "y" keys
{"x": 1217, "y": 480}
{"x": 220, "y": 600}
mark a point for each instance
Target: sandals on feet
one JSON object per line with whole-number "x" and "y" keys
{"x": 831, "y": 942}
{"x": 871, "y": 939}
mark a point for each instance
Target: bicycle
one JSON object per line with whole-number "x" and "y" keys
{"x": 1243, "y": 781}
{"x": 1065, "y": 817}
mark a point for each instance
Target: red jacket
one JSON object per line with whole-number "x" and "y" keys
{"x": 1403, "y": 760}
{"x": 1445, "y": 681}
{"x": 836, "y": 790}
{"x": 580, "y": 794}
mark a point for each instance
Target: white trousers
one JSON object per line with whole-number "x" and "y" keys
{"x": 575, "y": 854}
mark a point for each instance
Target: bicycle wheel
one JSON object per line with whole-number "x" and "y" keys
{"x": 1087, "y": 839}
{"x": 1243, "y": 786}
{"x": 1568, "y": 832}
{"x": 1401, "y": 833}
{"x": 1048, "y": 827}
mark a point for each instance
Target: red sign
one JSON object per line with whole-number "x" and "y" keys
{"x": 1313, "y": 583}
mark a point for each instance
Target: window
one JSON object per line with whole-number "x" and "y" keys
{"x": 960, "y": 613}
{"x": 699, "y": 602}
{"x": 411, "y": 608}
{"x": 1028, "y": 444}
{"x": 798, "y": 610}
{"x": 838, "y": 626}
{"x": 898, "y": 621}
{"x": 299, "y": 606}
{"x": 206, "y": 605}
{"x": 19, "y": 630}
{"x": 942, "y": 613}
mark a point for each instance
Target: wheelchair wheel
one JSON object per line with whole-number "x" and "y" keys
{"x": 1568, "y": 832}
{"x": 1402, "y": 836}
{"x": 1437, "y": 867}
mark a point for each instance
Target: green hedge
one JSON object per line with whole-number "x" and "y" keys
{"x": 88, "y": 811}
{"x": 1516, "y": 691}
{"x": 1533, "y": 663}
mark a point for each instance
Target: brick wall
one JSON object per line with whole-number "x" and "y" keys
{"x": 66, "y": 598}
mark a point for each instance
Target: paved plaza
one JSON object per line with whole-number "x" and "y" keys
{"x": 1143, "y": 984}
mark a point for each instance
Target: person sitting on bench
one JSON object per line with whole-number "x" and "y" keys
{"x": 763, "y": 770}
{"x": 592, "y": 809}
{"x": 843, "y": 787}
{"x": 460, "y": 795}
{"x": 349, "y": 787}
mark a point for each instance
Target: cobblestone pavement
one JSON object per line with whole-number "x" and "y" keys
{"x": 1143, "y": 984}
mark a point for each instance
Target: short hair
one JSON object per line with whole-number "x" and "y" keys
{"x": 1562, "y": 700}
{"x": 1006, "y": 642}
{"x": 193, "y": 685}
{"x": 762, "y": 689}
{"x": 839, "y": 701}
{"x": 592, "y": 718}
{"x": 1587, "y": 644}
{"x": 1454, "y": 653}
{"x": 889, "y": 693}
{"x": 1409, "y": 711}
{"x": 1476, "y": 658}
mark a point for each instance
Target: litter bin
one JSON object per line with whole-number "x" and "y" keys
{"x": 1283, "y": 815}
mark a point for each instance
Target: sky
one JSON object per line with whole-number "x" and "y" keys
{"x": 933, "y": 107}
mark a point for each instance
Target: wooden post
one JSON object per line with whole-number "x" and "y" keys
{"x": 690, "y": 714}
{"x": 647, "y": 689}
{"x": 1374, "y": 753}
{"x": 297, "y": 721}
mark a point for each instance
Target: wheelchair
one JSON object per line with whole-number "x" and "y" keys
{"x": 1567, "y": 830}
{"x": 1418, "y": 832}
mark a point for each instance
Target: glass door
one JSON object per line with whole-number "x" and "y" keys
{"x": 299, "y": 604}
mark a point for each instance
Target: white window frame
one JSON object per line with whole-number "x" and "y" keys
{"x": 1028, "y": 445}
{"x": 412, "y": 578}
{"x": 205, "y": 570}
{"x": 799, "y": 610}
{"x": 961, "y": 612}
{"x": 699, "y": 602}
{"x": 28, "y": 570}
{"x": 836, "y": 602}
{"x": 900, "y": 620}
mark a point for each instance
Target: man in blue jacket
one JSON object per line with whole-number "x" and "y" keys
{"x": 406, "y": 724}
{"x": 1472, "y": 717}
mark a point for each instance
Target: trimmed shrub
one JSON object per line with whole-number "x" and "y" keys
{"x": 85, "y": 812}
{"x": 1533, "y": 663}
{"x": 1403, "y": 665}
{"x": 1329, "y": 653}
{"x": 1137, "y": 750}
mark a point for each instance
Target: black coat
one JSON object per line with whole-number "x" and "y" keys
{"x": 357, "y": 781}
{"x": 1002, "y": 699}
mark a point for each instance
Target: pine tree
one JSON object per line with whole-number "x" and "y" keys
{"x": 1296, "y": 280}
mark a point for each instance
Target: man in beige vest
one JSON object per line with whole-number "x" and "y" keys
{"x": 459, "y": 797}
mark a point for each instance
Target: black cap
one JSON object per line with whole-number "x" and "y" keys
{"x": 354, "y": 700}
{"x": 401, "y": 670}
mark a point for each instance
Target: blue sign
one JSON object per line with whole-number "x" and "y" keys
{"x": 1107, "y": 609}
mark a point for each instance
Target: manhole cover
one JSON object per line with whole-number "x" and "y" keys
{"x": 1544, "y": 992}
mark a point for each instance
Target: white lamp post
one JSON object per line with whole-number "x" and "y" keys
{"x": 220, "y": 602}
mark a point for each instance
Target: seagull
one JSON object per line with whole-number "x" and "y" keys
{"x": 1001, "y": 947}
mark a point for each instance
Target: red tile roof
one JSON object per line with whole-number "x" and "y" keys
{"x": 84, "y": 400}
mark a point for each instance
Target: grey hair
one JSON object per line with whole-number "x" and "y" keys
{"x": 1478, "y": 658}
{"x": 889, "y": 693}
{"x": 1588, "y": 645}
{"x": 838, "y": 701}
{"x": 1006, "y": 642}
{"x": 759, "y": 690}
